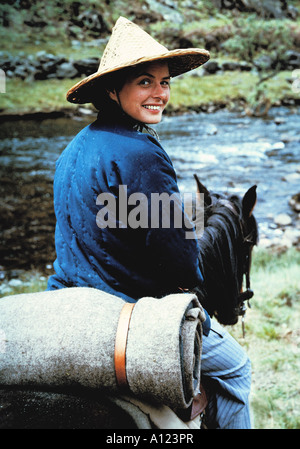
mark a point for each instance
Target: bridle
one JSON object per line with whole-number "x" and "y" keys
{"x": 246, "y": 295}
{"x": 248, "y": 243}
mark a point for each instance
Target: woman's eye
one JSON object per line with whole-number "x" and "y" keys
{"x": 145, "y": 82}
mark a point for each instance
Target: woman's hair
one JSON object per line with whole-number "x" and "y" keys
{"x": 114, "y": 81}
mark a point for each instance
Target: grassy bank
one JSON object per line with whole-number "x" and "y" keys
{"x": 187, "y": 93}
{"x": 272, "y": 336}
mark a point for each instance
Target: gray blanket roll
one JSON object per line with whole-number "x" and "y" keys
{"x": 66, "y": 338}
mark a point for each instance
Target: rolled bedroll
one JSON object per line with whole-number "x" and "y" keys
{"x": 66, "y": 338}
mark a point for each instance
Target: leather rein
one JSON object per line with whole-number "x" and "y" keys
{"x": 246, "y": 295}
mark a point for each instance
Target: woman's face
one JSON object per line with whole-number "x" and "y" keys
{"x": 145, "y": 95}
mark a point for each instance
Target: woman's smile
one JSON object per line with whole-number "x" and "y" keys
{"x": 152, "y": 107}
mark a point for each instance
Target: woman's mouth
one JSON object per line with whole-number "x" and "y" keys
{"x": 150, "y": 107}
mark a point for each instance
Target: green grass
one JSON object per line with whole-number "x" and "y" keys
{"x": 29, "y": 282}
{"x": 226, "y": 88}
{"x": 187, "y": 92}
{"x": 27, "y": 42}
{"x": 272, "y": 336}
{"x": 35, "y": 96}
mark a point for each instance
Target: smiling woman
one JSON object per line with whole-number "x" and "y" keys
{"x": 131, "y": 89}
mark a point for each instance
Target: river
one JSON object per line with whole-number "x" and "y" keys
{"x": 229, "y": 152}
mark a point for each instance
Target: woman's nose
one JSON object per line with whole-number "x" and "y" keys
{"x": 160, "y": 91}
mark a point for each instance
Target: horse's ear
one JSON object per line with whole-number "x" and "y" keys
{"x": 249, "y": 201}
{"x": 202, "y": 189}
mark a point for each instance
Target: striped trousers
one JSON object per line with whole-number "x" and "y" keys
{"x": 226, "y": 375}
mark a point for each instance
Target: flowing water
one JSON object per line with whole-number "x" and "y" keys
{"x": 228, "y": 151}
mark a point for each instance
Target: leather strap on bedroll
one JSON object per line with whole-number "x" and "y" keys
{"x": 121, "y": 343}
{"x": 200, "y": 401}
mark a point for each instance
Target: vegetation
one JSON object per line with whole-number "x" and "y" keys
{"x": 47, "y": 95}
{"x": 228, "y": 89}
{"x": 272, "y": 339}
{"x": 257, "y": 36}
{"x": 187, "y": 93}
{"x": 272, "y": 336}
{"x": 65, "y": 29}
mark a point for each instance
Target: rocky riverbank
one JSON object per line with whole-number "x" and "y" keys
{"x": 45, "y": 65}
{"x": 286, "y": 230}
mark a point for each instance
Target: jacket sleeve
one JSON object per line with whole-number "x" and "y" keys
{"x": 149, "y": 171}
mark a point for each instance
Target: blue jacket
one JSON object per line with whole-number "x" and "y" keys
{"x": 130, "y": 263}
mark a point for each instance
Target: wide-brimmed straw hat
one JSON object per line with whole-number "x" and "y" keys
{"x": 129, "y": 46}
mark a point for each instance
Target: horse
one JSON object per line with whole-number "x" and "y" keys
{"x": 230, "y": 232}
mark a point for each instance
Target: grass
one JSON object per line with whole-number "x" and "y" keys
{"x": 186, "y": 92}
{"x": 35, "y": 96}
{"x": 227, "y": 87}
{"x": 30, "y": 282}
{"x": 272, "y": 336}
{"x": 29, "y": 42}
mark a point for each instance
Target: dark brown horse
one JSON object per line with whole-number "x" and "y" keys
{"x": 229, "y": 234}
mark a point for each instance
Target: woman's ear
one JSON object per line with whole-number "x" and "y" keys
{"x": 113, "y": 95}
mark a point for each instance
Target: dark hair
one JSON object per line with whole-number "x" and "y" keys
{"x": 113, "y": 81}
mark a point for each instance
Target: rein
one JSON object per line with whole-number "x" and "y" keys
{"x": 248, "y": 293}
{"x": 248, "y": 243}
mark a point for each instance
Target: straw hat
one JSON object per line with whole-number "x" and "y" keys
{"x": 129, "y": 45}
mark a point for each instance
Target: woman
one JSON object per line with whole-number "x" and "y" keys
{"x": 121, "y": 225}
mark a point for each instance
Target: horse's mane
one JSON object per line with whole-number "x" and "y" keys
{"x": 220, "y": 258}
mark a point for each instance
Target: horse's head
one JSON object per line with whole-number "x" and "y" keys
{"x": 230, "y": 232}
